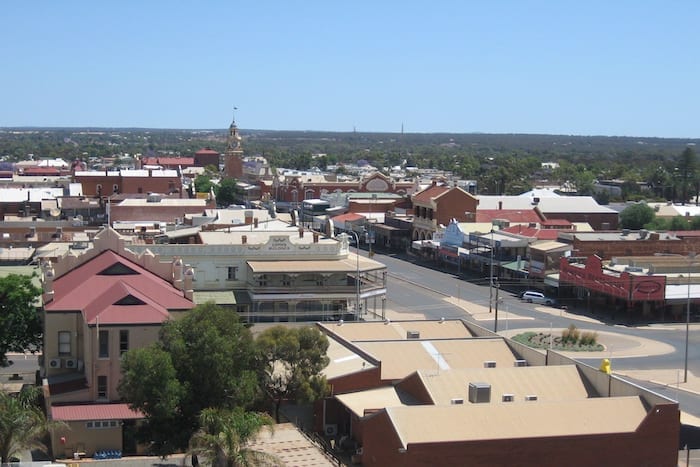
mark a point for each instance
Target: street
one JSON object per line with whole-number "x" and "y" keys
{"x": 415, "y": 290}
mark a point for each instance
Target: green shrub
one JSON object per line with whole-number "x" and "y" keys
{"x": 570, "y": 335}
{"x": 589, "y": 338}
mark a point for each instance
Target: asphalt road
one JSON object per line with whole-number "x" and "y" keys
{"x": 418, "y": 288}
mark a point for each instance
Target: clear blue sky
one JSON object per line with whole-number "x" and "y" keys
{"x": 614, "y": 67}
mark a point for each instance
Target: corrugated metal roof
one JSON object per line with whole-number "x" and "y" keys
{"x": 549, "y": 246}
{"x": 348, "y": 264}
{"x": 79, "y": 412}
{"x": 401, "y": 358}
{"x": 474, "y": 422}
{"x": 94, "y": 294}
{"x": 397, "y": 330}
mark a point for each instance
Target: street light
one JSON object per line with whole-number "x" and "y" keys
{"x": 691, "y": 256}
{"x": 357, "y": 276}
{"x": 491, "y": 276}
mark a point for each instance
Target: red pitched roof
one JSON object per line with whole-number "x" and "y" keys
{"x": 532, "y": 232}
{"x": 207, "y": 151}
{"x": 429, "y": 193}
{"x": 557, "y": 222}
{"x": 513, "y": 215}
{"x": 118, "y": 291}
{"x": 350, "y": 216}
{"x": 184, "y": 161}
{"x": 80, "y": 412}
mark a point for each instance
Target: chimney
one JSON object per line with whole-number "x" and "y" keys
{"x": 248, "y": 217}
{"x": 177, "y": 273}
{"x": 255, "y": 222}
{"x": 189, "y": 279}
{"x": 49, "y": 274}
{"x": 315, "y": 237}
{"x": 301, "y": 232}
{"x": 500, "y": 205}
{"x": 244, "y": 239}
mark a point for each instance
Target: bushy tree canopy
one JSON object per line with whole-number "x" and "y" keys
{"x": 206, "y": 359}
{"x": 636, "y": 216}
{"x": 292, "y": 361}
{"x": 20, "y": 320}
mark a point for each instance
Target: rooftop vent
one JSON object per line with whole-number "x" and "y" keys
{"x": 479, "y": 393}
{"x": 489, "y": 364}
{"x": 457, "y": 401}
{"x": 520, "y": 363}
{"x": 507, "y": 398}
{"x": 531, "y": 397}
{"x": 412, "y": 334}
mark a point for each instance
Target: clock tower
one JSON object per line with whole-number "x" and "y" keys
{"x": 233, "y": 156}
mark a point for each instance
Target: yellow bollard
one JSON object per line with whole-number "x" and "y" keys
{"x": 605, "y": 366}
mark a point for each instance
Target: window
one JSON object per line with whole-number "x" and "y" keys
{"x": 102, "y": 387}
{"x": 115, "y": 189}
{"x": 64, "y": 342}
{"x": 103, "y": 339}
{"x": 98, "y": 189}
{"x": 262, "y": 280}
{"x": 98, "y": 424}
{"x": 123, "y": 341}
{"x": 232, "y": 271}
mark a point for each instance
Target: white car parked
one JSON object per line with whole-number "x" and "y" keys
{"x": 532, "y": 296}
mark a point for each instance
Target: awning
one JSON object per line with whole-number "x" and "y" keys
{"x": 552, "y": 280}
{"x": 516, "y": 266}
{"x": 219, "y": 297}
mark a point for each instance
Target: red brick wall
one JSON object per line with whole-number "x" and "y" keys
{"x": 366, "y": 379}
{"x": 453, "y": 205}
{"x": 128, "y": 185}
{"x": 596, "y": 220}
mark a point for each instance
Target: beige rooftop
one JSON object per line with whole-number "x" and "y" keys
{"x": 398, "y": 330}
{"x": 475, "y": 422}
{"x": 401, "y": 358}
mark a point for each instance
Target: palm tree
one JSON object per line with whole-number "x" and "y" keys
{"x": 224, "y": 436}
{"x": 22, "y": 423}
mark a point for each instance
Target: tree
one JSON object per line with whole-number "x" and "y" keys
{"x": 292, "y": 360}
{"x": 687, "y": 165}
{"x": 150, "y": 382}
{"x": 636, "y": 216}
{"x": 224, "y": 436}
{"x": 202, "y": 183}
{"x": 22, "y": 423}
{"x": 226, "y": 192}
{"x": 214, "y": 365}
{"x": 20, "y": 319}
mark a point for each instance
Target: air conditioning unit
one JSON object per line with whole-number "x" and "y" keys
{"x": 489, "y": 364}
{"x": 330, "y": 430}
{"x": 479, "y": 393}
{"x": 531, "y": 397}
{"x": 507, "y": 398}
{"x": 55, "y": 363}
{"x": 412, "y": 334}
{"x": 457, "y": 401}
{"x": 72, "y": 363}
{"x": 520, "y": 363}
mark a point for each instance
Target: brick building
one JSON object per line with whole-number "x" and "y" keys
{"x": 109, "y": 183}
{"x": 451, "y": 393}
{"x": 437, "y": 206}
